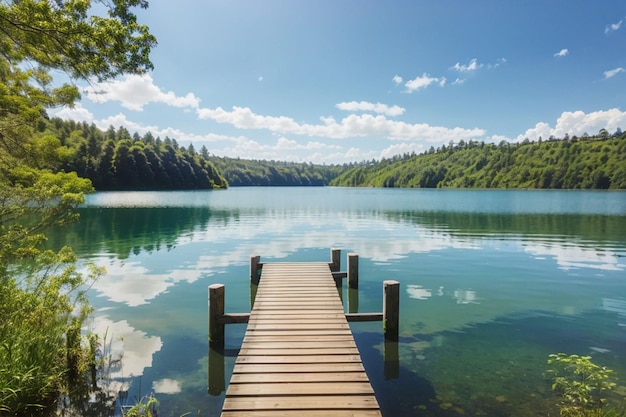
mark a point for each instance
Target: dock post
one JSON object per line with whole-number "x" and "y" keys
{"x": 391, "y": 309}
{"x": 353, "y": 271}
{"x": 335, "y": 259}
{"x": 216, "y": 311}
{"x": 254, "y": 269}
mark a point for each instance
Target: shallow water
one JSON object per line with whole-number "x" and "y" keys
{"x": 492, "y": 282}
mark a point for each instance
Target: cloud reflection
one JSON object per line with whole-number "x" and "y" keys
{"x": 133, "y": 348}
{"x": 278, "y": 233}
{"x": 166, "y": 386}
{"x": 568, "y": 256}
{"x": 418, "y": 292}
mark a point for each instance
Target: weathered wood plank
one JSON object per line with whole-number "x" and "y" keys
{"x": 301, "y": 388}
{"x": 314, "y": 402}
{"x": 299, "y": 377}
{"x": 301, "y": 413}
{"x": 299, "y": 359}
{"x": 300, "y": 402}
{"x": 338, "y": 338}
{"x": 289, "y": 350}
{"x": 300, "y": 368}
{"x": 311, "y": 344}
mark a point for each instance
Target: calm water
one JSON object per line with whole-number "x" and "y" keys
{"x": 491, "y": 283}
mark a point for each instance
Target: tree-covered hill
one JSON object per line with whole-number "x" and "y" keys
{"x": 242, "y": 172}
{"x": 115, "y": 160}
{"x": 597, "y": 162}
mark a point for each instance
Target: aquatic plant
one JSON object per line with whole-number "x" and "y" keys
{"x": 145, "y": 407}
{"x": 581, "y": 383}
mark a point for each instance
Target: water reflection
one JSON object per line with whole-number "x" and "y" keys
{"x": 461, "y": 273}
{"x": 160, "y": 247}
{"x": 569, "y": 256}
{"x": 418, "y": 292}
{"x": 166, "y": 386}
{"x": 133, "y": 349}
{"x": 465, "y": 297}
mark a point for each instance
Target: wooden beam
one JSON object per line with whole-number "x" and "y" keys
{"x": 232, "y": 318}
{"x": 356, "y": 317}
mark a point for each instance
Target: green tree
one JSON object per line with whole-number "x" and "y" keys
{"x": 37, "y": 287}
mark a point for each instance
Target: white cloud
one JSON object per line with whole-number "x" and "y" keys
{"x": 577, "y": 123}
{"x": 246, "y": 148}
{"x": 612, "y": 27}
{"x": 612, "y": 73}
{"x": 355, "y": 106}
{"x": 397, "y": 79}
{"x": 458, "y": 81}
{"x": 401, "y": 148}
{"x": 135, "y": 91}
{"x": 562, "y": 52}
{"x": 472, "y": 66}
{"x": 77, "y": 113}
{"x": 499, "y": 62}
{"x": 422, "y": 82}
{"x": 351, "y": 126}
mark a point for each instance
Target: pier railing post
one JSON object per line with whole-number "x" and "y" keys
{"x": 254, "y": 269}
{"x": 335, "y": 259}
{"x": 353, "y": 271}
{"x": 391, "y": 309}
{"x": 216, "y": 311}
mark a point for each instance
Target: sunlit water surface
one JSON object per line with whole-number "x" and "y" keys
{"x": 492, "y": 282}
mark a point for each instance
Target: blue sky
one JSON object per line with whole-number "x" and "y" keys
{"x": 334, "y": 81}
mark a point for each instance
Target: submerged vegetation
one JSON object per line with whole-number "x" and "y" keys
{"x": 582, "y": 385}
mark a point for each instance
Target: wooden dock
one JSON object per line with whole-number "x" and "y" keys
{"x": 298, "y": 357}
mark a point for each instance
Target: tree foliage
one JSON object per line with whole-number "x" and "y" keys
{"x": 589, "y": 163}
{"x": 115, "y": 160}
{"x": 40, "y": 348}
{"x": 243, "y": 172}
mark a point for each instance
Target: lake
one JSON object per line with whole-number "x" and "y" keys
{"x": 492, "y": 282}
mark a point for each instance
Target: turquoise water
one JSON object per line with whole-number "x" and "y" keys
{"x": 492, "y": 282}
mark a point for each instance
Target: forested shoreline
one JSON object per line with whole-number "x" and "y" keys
{"x": 117, "y": 160}
{"x": 597, "y": 162}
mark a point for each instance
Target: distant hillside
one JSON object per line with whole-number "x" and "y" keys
{"x": 117, "y": 160}
{"x": 243, "y": 172}
{"x": 597, "y": 162}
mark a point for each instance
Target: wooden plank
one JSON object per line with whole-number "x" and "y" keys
{"x": 299, "y": 413}
{"x": 300, "y": 368}
{"x": 289, "y": 350}
{"x": 301, "y": 388}
{"x": 302, "y": 402}
{"x": 299, "y": 359}
{"x": 338, "y": 338}
{"x": 299, "y": 377}
{"x": 315, "y": 344}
